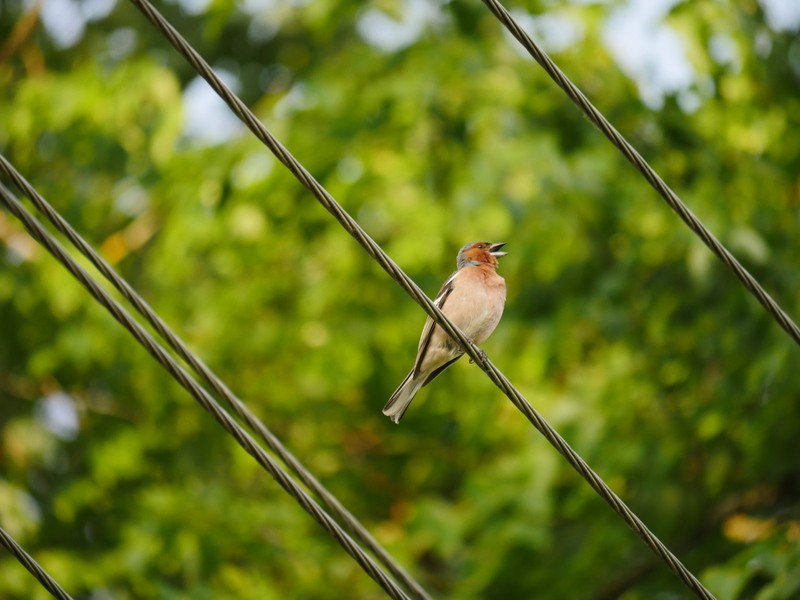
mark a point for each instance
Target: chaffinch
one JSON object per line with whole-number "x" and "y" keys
{"x": 473, "y": 299}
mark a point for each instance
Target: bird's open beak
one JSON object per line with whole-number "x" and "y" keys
{"x": 494, "y": 249}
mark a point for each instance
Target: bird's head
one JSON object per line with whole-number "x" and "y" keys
{"x": 480, "y": 253}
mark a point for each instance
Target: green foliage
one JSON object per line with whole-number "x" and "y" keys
{"x": 621, "y": 328}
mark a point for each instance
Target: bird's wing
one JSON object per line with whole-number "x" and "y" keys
{"x": 435, "y": 373}
{"x": 427, "y": 331}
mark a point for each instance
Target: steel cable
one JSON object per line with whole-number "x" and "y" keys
{"x": 377, "y": 253}
{"x": 209, "y": 377}
{"x": 40, "y": 234}
{"x": 633, "y": 156}
{"x": 27, "y": 561}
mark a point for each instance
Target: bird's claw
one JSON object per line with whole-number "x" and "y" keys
{"x": 481, "y": 353}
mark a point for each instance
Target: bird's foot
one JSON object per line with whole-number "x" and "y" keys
{"x": 481, "y": 353}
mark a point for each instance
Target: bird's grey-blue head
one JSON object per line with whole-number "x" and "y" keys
{"x": 477, "y": 253}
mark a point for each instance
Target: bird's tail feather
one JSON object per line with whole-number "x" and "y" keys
{"x": 396, "y": 406}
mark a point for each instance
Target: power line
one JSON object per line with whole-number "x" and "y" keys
{"x": 633, "y": 156}
{"x": 40, "y": 234}
{"x": 27, "y": 561}
{"x": 206, "y": 374}
{"x": 377, "y": 253}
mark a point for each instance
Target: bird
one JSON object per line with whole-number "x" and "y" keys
{"x": 473, "y": 298}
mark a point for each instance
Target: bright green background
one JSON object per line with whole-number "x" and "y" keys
{"x": 621, "y": 328}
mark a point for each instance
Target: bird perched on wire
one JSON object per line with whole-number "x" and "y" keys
{"x": 473, "y": 299}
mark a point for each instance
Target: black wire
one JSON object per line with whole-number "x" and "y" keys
{"x": 239, "y": 408}
{"x": 377, "y": 253}
{"x": 27, "y": 561}
{"x": 633, "y": 156}
{"x": 39, "y": 233}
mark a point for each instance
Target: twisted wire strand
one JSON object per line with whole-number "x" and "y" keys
{"x": 636, "y": 159}
{"x": 40, "y": 234}
{"x": 377, "y": 253}
{"x": 27, "y": 561}
{"x": 217, "y": 385}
